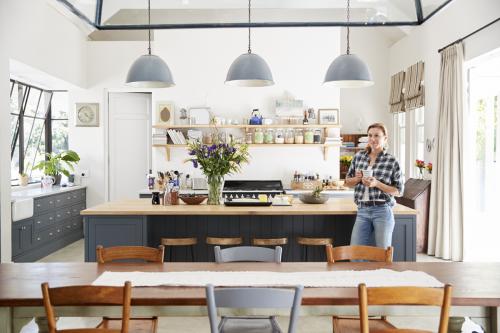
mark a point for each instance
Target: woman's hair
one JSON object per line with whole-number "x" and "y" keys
{"x": 381, "y": 127}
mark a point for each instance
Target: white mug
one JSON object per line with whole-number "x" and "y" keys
{"x": 48, "y": 181}
{"x": 367, "y": 173}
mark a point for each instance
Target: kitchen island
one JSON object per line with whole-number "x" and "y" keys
{"x": 138, "y": 222}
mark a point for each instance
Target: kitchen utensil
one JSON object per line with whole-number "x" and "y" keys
{"x": 193, "y": 200}
{"x": 256, "y": 119}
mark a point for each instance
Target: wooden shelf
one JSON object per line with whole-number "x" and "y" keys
{"x": 164, "y": 126}
{"x": 324, "y": 146}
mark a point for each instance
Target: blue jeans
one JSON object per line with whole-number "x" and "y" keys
{"x": 373, "y": 226}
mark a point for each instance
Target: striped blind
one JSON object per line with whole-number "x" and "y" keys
{"x": 414, "y": 94}
{"x": 396, "y": 100}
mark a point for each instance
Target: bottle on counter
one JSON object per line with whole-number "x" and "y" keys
{"x": 155, "y": 199}
{"x": 289, "y": 136}
{"x": 299, "y": 136}
{"x": 305, "y": 121}
{"x": 279, "y": 136}
{"x": 317, "y": 136}
{"x": 248, "y": 137}
{"x": 151, "y": 180}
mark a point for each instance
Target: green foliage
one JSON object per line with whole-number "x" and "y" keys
{"x": 346, "y": 160}
{"x": 56, "y": 164}
{"x": 317, "y": 191}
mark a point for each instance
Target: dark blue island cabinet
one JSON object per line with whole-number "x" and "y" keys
{"x": 137, "y": 222}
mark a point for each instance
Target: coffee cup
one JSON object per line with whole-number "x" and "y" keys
{"x": 367, "y": 173}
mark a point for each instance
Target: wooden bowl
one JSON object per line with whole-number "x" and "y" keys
{"x": 194, "y": 200}
{"x": 310, "y": 199}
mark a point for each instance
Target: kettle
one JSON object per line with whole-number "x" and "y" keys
{"x": 256, "y": 119}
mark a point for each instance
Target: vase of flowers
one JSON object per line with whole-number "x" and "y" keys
{"x": 216, "y": 161}
{"x": 428, "y": 167}
{"x": 421, "y": 166}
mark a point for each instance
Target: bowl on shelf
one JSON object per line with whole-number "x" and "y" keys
{"x": 308, "y": 198}
{"x": 193, "y": 199}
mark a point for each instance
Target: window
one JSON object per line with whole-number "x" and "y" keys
{"x": 39, "y": 125}
{"x": 418, "y": 139}
{"x": 399, "y": 120}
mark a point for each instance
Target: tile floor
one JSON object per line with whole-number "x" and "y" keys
{"x": 75, "y": 253}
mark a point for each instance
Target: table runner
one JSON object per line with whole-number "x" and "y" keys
{"x": 372, "y": 278}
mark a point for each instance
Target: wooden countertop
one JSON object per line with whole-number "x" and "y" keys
{"x": 334, "y": 206}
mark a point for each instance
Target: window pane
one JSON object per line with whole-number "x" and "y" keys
{"x": 14, "y": 100}
{"x": 14, "y": 165}
{"x": 59, "y": 105}
{"x": 31, "y": 106}
{"x": 59, "y": 135}
{"x": 35, "y": 148}
{"x": 419, "y": 116}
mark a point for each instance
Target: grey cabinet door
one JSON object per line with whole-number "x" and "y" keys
{"x": 21, "y": 236}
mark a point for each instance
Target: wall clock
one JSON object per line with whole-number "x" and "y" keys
{"x": 87, "y": 115}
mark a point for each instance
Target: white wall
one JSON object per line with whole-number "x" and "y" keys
{"x": 362, "y": 107}
{"x": 35, "y": 34}
{"x": 457, "y": 20}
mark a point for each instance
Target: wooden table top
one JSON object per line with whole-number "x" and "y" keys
{"x": 474, "y": 284}
{"x": 334, "y": 206}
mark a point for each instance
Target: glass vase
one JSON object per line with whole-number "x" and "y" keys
{"x": 421, "y": 173}
{"x": 214, "y": 189}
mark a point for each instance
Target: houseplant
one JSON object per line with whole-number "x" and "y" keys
{"x": 420, "y": 164}
{"x": 56, "y": 164}
{"x": 216, "y": 161}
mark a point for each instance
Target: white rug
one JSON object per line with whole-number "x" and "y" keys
{"x": 372, "y": 278}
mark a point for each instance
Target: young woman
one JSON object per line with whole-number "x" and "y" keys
{"x": 376, "y": 178}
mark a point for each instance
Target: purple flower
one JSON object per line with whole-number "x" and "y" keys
{"x": 195, "y": 163}
{"x": 192, "y": 152}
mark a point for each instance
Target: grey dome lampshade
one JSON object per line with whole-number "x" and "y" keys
{"x": 348, "y": 71}
{"x": 249, "y": 70}
{"x": 149, "y": 71}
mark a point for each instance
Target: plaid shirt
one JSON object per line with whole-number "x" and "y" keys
{"x": 385, "y": 169}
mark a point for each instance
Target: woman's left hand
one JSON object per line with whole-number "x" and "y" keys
{"x": 370, "y": 181}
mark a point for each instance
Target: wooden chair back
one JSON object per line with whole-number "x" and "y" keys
{"x": 149, "y": 254}
{"x": 404, "y": 296}
{"x": 358, "y": 252}
{"x": 86, "y": 295}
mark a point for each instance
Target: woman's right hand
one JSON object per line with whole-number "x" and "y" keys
{"x": 353, "y": 181}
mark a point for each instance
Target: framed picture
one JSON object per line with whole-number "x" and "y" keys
{"x": 87, "y": 114}
{"x": 328, "y": 116}
{"x": 165, "y": 111}
{"x": 199, "y": 115}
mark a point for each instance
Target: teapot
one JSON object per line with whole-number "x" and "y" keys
{"x": 48, "y": 181}
{"x": 256, "y": 119}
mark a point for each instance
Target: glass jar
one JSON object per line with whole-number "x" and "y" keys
{"x": 289, "y": 136}
{"x": 317, "y": 136}
{"x": 258, "y": 136}
{"x": 269, "y": 136}
{"x": 308, "y": 136}
{"x": 299, "y": 136}
{"x": 279, "y": 136}
{"x": 248, "y": 137}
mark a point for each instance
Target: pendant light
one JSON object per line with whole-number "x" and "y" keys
{"x": 348, "y": 70}
{"x": 249, "y": 69}
{"x": 149, "y": 70}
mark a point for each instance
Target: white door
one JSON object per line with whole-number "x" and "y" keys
{"x": 129, "y": 129}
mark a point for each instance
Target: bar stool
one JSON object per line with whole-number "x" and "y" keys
{"x": 272, "y": 242}
{"x": 223, "y": 241}
{"x": 312, "y": 241}
{"x": 188, "y": 241}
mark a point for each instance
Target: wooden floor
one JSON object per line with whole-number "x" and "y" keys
{"x": 75, "y": 253}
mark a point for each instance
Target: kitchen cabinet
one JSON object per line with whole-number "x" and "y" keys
{"x": 56, "y": 222}
{"x": 324, "y": 146}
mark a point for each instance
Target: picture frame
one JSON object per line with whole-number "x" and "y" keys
{"x": 199, "y": 115}
{"x": 328, "y": 117}
{"x": 87, "y": 114}
{"x": 165, "y": 112}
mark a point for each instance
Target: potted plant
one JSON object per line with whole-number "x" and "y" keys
{"x": 345, "y": 163}
{"x": 56, "y": 164}
{"x": 23, "y": 179}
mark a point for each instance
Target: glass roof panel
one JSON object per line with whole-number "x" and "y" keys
{"x": 134, "y": 12}
{"x": 429, "y": 6}
{"x": 86, "y": 7}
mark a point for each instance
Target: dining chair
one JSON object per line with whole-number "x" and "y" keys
{"x": 143, "y": 253}
{"x": 84, "y": 295}
{"x": 358, "y": 252}
{"x": 404, "y": 296}
{"x": 254, "y": 298}
{"x": 248, "y": 253}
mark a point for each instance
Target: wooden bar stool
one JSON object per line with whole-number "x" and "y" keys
{"x": 224, "y": 241}
{"x": 188, "y": 241}
{"x": 305, "y": 242}
{"x": 272, "y": 242}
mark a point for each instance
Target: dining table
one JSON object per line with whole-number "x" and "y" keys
{"x": 476, "y": 289}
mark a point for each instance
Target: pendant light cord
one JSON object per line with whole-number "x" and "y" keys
{"x": 348, "y": 21}
{"x": 249, "y": 31}
{"x": 149, "y": 27}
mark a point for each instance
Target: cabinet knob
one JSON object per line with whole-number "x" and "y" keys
{"x": 50, "y": 234}
{"x": 51, "y": 202}
{"x": 69, "y": 198}
{"x": 38, "y": 205}
{"x": 58, "y": 215}
{"x": 23, "y": 228}
{"x": 38, "y": 238}
{"x": 51, "y": 218}
{"x": 58, "y": 230}
{"x": 38, "y": 222}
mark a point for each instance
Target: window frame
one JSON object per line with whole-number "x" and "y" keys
{"x": 18, "y": 138}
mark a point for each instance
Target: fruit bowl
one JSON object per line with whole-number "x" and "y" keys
{"x": 193, "y": 200}
{"x": 308, "y": 198}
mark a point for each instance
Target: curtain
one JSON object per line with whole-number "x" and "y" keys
{"x": 446, "y": 218}
{"x": 396, "y": 100}
{"x": 414, "y": 93}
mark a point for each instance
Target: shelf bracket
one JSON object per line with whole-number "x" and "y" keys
{"x": 325, "y": 153}
{"x": 167, "y": 153}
